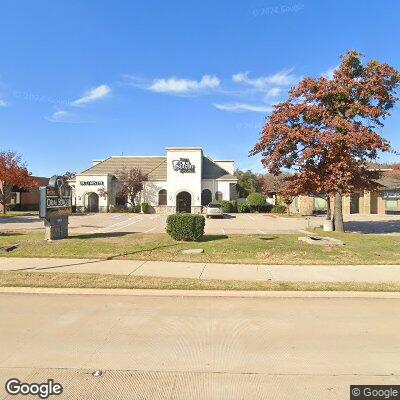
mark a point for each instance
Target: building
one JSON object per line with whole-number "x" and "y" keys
{"x": 26, "y": 199}
{"x": 385, "y": 200}
{"x": 184, "y": 180}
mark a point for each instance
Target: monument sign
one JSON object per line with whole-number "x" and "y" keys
{"x": 55, "y": 206}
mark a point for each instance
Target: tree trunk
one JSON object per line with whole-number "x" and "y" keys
{"x": 338, "y": 213}
{"x": 328, "y": 208}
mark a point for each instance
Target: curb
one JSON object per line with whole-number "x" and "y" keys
{"x": 201, "y": 293}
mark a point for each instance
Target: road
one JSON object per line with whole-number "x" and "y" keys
{"x": 199, "y": 347}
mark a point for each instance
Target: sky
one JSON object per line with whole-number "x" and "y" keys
{"x": 84, "y": 80}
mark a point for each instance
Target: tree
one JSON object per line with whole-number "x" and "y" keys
{"x": 69, "y": 175}
{"x": 255, "y": 200}
{"x": 13, "y": 173}
{"x": 131, "y": 183}
{"x": 327, "y": 130}
{"x": 247, "y": 183}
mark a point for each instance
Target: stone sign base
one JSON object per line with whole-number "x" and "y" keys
{"x": 56, "y": 228}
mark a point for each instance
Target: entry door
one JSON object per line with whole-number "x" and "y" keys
{"x": 184, "y": 202}
{"x": 93, "y": 202}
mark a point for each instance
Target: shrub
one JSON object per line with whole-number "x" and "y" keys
{"x": 255, "y": 200}
{"x": 279, "y": 209}
{"x": 243, "y": 207}
{"x": 226, "y": 206}
{"x": 234, "y": 206}
{"x": 118, "y": 209}
{"x": 266, "y": 208}
{"x": 187, "y": 227}
{"x": 145, "y": 208}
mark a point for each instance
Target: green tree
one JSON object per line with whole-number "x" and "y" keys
{"x": 248, "y": 182}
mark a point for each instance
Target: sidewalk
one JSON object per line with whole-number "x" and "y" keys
{"x": 242, "y": 272}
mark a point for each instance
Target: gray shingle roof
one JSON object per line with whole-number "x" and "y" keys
{"x": 211, "y": 170}
{"x": 155, "y": 167}
{"x": 389, "y": 182}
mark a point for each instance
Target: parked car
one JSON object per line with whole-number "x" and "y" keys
{"x": 214, "y": 210}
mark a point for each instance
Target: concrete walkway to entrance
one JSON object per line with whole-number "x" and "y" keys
{"x": 243, "y": 272}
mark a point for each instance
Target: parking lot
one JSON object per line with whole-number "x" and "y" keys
{"x": 155, "y": 223}
{"x": 245, "y": 224}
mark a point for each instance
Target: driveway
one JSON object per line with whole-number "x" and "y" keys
{"x": 231, "y": 224}
{"x": 150, "y": 347}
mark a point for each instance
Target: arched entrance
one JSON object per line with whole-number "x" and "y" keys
{"x": 184, "y": 202}
{"x": 206, "y": 197}
{"x": 93, "y": 202}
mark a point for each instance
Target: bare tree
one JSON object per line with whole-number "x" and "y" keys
{"x": 131, "y": 183}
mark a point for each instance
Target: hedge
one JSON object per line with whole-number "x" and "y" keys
{"x": 145, "y": 208}
{"x": 188, "y": 227}
{"x": 255, "y": 200}
{"x": 279, "y": 209}
{"x": 243, "y": 207}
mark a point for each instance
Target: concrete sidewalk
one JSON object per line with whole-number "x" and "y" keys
{"x": 242, "y": 272}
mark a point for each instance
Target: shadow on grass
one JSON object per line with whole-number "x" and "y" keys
{"x": 210, "y": 238}
{"x": 269, "y": 238}
{"x": 100, "y": 235}
{"x": 157, "y": 247}
{"x": 6, "y": 234}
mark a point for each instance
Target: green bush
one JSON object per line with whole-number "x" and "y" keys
{"x": 243, "y": 207}
{"x": 118, "y": 209}
{"x": 188, "y": 227}
{"x": 255, "y": 201}
{"x": 226, "y": 206}
{"x": 234, "y": 206}
{"x": 278, "y": 209}
{"x": 145, "y": 208}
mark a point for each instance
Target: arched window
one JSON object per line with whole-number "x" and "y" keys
{"x": 206, "y": 197}
{"x": 218, "y": 196}
{"x": 162, "y": 197}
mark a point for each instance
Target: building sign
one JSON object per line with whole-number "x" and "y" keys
{"x": 391, "y": 194}
{"x": 183, "y": 165}
{"x": 55, "y": 199}
{"x": 92, "y": 183}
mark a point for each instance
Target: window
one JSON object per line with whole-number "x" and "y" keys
{"x": 162, "y": 197}
{"x": 391, "y": 205}
{"x": 206, "y": 197}
{"x": 218, "y": 196}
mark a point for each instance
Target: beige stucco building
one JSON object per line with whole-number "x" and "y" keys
{"x": 184, "y": 180}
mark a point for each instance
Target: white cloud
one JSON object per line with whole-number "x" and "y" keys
{"x": 328, "y": 74}
{"x": 93, "y": 94}
{"x": 274, "y": 92}
{"x": 3, "y": 103}
{"x": 59, "y": 116}
{"x": 282, "y": 78}
{"x": 242, "y": 107}
{"x": 183, "y": 86}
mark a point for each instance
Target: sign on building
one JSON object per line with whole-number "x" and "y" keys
{"x": 183, "y": 165}
{"x": 391, "y": 194}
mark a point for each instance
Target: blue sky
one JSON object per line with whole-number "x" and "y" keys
{"x": 82, "y": 80}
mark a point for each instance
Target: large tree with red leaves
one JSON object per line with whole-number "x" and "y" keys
{"x": 327, "y": 130}
{"x": 13, "y": 173}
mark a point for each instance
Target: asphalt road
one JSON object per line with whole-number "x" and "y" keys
{"x": 199, "y": 348}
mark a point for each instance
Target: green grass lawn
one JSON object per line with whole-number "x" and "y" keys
{"x": 13, "y": 214}
{"x": 69, "y": 280}
{"x": 257, "y": 249}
